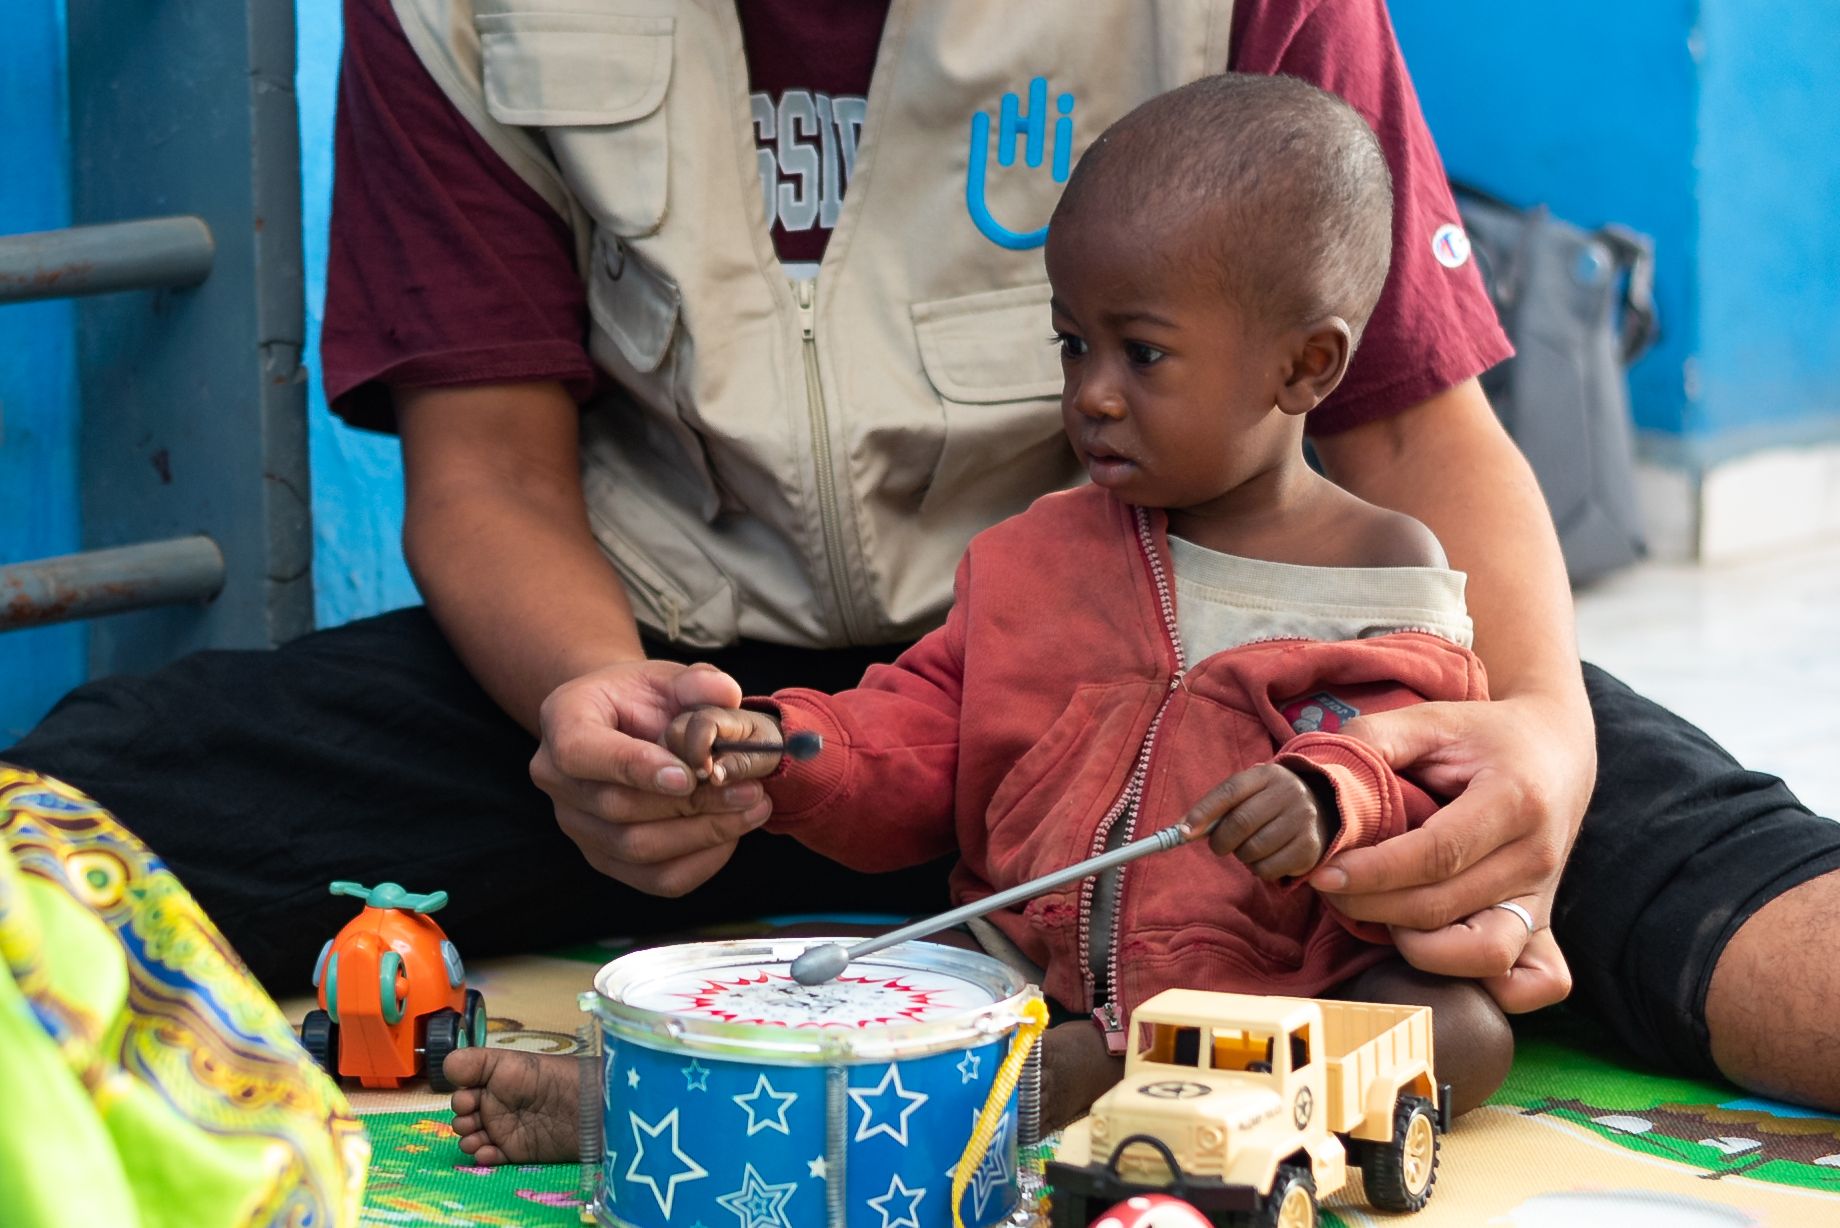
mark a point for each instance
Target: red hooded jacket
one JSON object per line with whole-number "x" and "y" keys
{"x": 1055, "y": 702}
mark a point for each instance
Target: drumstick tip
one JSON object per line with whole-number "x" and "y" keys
{"x": 820, "y": 964}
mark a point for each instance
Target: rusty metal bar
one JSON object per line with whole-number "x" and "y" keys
{"x": 74, "y": 586}
{"x": 140, "y": 255}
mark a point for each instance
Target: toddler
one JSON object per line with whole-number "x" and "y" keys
{"x": 1181, "y": 639}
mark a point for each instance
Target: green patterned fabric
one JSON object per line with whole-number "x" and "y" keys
{"x": 149, "y": 1081}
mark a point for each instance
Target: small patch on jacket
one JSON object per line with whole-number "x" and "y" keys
{"x": 1318, "y": 713}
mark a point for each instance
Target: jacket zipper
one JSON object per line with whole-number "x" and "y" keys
{"x": 1103, "y": 997}
{"x": 828, "y": 515}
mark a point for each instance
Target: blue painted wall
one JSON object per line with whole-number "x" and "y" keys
{"x": 1589, "y": 108}
{"x": 1769, "y": 244}
{"x": 1709, "y": 124}
{"x": 38, "y": 436}
{"x": 357, "y": 477}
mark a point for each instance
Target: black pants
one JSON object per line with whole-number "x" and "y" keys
{"x": 367, "y": 752}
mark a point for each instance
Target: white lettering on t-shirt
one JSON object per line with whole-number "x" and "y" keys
{"x": 806, "y": 152}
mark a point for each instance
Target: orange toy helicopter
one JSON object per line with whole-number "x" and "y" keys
{"x": 392, "y": 993}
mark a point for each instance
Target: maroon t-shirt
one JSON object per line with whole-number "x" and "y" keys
{"x": 445, "y": 268}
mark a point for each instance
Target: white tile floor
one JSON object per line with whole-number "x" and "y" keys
{"x": 1748, "y": 651}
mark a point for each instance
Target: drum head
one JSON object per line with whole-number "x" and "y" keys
{"x": 909, "y": 999}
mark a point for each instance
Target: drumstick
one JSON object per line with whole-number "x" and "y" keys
{"x": 824, "y": 963}
{"x": 801, "y": 746}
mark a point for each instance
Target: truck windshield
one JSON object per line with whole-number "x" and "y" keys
{"x": 1170, "y": 1044}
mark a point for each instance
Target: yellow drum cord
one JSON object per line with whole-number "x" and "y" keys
{"x": 1034, "y": 1023}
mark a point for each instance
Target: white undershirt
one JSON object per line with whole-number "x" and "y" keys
{"x": 1223, "y": 601}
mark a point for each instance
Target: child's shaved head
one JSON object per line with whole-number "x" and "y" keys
{"x": 1288, "y": 181}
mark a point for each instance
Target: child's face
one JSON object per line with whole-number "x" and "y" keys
{"x": 1170, "y": 393}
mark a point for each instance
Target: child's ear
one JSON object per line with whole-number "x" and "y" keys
{"x": 1319, "y": 359}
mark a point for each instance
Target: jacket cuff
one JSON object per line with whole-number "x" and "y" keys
{"x": 797, "y": 787}
{"x": 1366, "y": 791}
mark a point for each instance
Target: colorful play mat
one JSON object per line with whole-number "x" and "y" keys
{"x": 1573, "y": 1140}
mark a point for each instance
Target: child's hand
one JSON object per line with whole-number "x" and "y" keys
{"x": 1270, "y": 818}
{"x": 693, "y": 735}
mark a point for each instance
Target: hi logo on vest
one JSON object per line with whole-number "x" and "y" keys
{"x": 1031, "y": 128}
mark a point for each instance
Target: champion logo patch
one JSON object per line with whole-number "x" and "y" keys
{"x": 1318, "y": 713}
{"x": 1450, "y": 245}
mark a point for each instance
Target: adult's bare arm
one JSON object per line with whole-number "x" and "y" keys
{"x": 1521, "y": 767}
{"x": 496, "y": 533}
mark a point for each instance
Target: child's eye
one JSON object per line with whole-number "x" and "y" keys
{"x": 1141, "y": 354}
{"x": 1071, "y": 346}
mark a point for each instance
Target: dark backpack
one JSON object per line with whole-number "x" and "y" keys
{"x": 1579, "y": 307}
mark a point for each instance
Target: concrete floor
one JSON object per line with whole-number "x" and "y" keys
{"x": 1748, "y": 651}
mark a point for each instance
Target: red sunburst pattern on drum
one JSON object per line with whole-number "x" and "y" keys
{"x": 774, "y": 999}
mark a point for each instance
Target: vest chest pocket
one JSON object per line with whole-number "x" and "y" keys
{"x": 635, "y": 336}
{"x": 999, "y": 382}
{"x": 595, "y": 83}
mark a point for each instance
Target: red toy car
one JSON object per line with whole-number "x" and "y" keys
{"x": 392, "y": 993}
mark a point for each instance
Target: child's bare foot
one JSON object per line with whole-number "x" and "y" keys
{"x": 515, "y": 1107}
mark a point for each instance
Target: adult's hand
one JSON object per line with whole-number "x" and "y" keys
{"x": 1520, "y": 772}
{"x": 631, "y": 806}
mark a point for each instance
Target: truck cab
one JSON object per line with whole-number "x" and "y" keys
{"x": 1195, "y": 1080}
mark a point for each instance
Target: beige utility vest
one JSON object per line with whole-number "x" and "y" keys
{"x": 805, "y": 463}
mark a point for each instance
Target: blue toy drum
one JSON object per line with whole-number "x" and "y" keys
{"x": 734, "y": 1097}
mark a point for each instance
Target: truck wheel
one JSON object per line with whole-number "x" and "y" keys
{"x": 1399, "y": 1175}
{"x": 446, "y": 1032}
{"x": 320, "y": 1037}
{"x": 474, "y": 1019}
{"x": 1292, "y": 1201}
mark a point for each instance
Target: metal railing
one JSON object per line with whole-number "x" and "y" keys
{"x": 154, "y": 253}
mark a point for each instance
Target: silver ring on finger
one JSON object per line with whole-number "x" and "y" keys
{"x": 1525, "y": 916}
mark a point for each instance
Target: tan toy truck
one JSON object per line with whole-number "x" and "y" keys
{"x": 1250, "y": 1108}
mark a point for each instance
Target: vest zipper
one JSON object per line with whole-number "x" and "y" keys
{"x": 829, "y": 517}
{"x": 1103, "y": 996}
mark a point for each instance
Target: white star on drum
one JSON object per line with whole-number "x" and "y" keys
{"x": 757, "y": 1204}
{"x": 759, "y": 1119}
{"x": 870, "y": 1127}
{"x": 910, "y": 1217}
{"x": 991, "y": 1170}
{"x": 691, "y": 1170}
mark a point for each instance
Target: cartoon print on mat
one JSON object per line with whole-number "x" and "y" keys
{"x": 505, "y": 1033}
{"x": 1739, "y": 1137}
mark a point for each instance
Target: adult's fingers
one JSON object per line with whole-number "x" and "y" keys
{"x": 618, "y": 804}
{"x": 704, "y": 686}
{"x": 1484, "y": 944}
{"x": 1540, "y": 977}
{"x": 586, "y": 747}
{"x": 1505, "y": 874}
{"x": 1406, "y": 736}
{"x": 1490, "y": 816}
{"x": 656, "y": 843}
